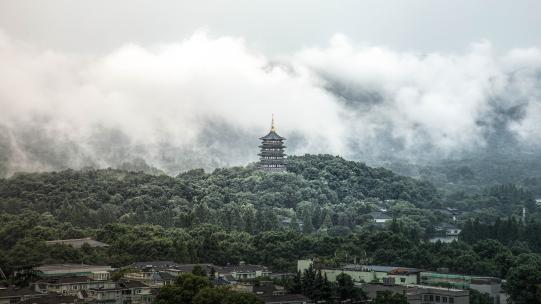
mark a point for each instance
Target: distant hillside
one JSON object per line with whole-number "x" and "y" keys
{"x": 478, "y": 172}
{"x": 90, "y": 198}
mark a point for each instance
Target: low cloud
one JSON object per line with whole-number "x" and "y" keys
{"x": 204, "y": 101}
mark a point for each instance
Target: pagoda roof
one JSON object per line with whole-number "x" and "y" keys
{"x": 272, "y": 136}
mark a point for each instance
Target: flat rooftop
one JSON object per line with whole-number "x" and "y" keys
{"x": 379, "y": 268}
{"x": 78, "y": 243}
{"x": 69, "y": 268}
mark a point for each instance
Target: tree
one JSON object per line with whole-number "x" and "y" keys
{"x": 524, "y": 278}
{"x": 210, "y": 295}
{"x": 345, "y": 288}
{"x": 199, "y": 271}
{"x": 308, "y": 280}
{"x": 477, "y": 297}
{"x": 183, "y": 290}
{"x": 296, "y": 286}
{"x": 327, "y": 221}
{"x": 326, "y": 290}
{"x": 307, "y": 223}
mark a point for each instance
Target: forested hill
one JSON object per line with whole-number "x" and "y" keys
{"x": 239, "y": 197}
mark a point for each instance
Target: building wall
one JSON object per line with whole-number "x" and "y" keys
{"x": 493, "y": 290}
{"x": 74, "y": 288}
{"x": 417, "y": 294}
{"x": 492, "y": 286}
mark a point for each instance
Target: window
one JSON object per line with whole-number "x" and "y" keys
{"x": 451, "y": 300}
{"x": 444, "y": 299}
{"x": 403, "y": 280}
{"x": 431, "y": 297}
{"x": 425, "y": 298}
{"x": 437, "y": 298}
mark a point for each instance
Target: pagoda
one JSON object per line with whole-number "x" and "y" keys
{"x": 272, "y": 157}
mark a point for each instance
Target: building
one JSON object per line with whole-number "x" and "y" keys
{"x": 53, "y": 299}
{"x": 244, "y": 272}
{"x": 78, "y": 243}
{"x": 70, "y": 285}
{"x": 96, "y": 291}
{"x": 15, "y": 295}
{"x": 132, "y": 292}
{"x": 419, "y": 294}
{"x": 271, "y": 293}
{"x": 489, "y": 285}
{"x": 160, "y": 273}
{"x": 448, "y": 229}
{"x": 446, "y": 233}
{"x": 272, "y": 157}
{"x": 92, "y": 271}
{"x": 367, "y": 273}
{"x": 171, "y": 267}
{"x": 379, "y": 217}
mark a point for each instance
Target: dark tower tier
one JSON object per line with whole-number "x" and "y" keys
{"x": 272, "y": 156}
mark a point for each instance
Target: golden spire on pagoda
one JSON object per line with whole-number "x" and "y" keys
{"x": 273, "y": 129}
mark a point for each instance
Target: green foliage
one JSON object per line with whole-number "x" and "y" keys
{"x": 241, "y": 214}
{"x": 345, "y": 288}
{"x": 317, "y": 287}
{"x": 508, "y": 232}
{"x": 186, "y": 287}
{"x": 199, "y": 271}
{"x": 477, "y": 297}
{"x": 193, "y": 289}
{"x": 524, "y": 280}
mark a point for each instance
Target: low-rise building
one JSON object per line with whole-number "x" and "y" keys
{"x": 379, "y": 217}
{"x": 70, "y": 285}
{"x": 161, "y": 273}
{"x": 446, "y": 233}
{"x": 11, "y": 295}
{"x": 489, "y": 285}
{"x": 53, "y": 299}
{"x": 367, "y": 273}
{"x": 95, "y": 272}
{"x": 132, "y": 292}
{"x": 244, "y": 271}
{"x": 271, "y": 293}
{"x": 419, "y": 294}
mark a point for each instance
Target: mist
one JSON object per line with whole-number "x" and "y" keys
{"x": 204, "y": 101}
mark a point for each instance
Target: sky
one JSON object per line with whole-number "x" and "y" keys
{"x": 182, "y": 85}
{"x": 278, "y": 26}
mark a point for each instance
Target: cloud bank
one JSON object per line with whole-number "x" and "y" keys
{"x": 204, "y": 101}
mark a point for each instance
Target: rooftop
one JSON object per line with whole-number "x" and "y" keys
{"x": 170, "y": 265}
{"x": 272, "y": 136}
{"x": 52, "y": 299}
{"x": 378, "y": 268}
{"x": 285, "y": 298}
{"x": 78, "y": 243}
{"x": 379, "y": 215}
{"x": 242, "y": 268}
{"x": 70, "y": 268}
{"x": 16, "y": 292}
{"x": 66, "y": 280}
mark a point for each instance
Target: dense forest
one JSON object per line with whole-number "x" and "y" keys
{"x": 319, "y": 208}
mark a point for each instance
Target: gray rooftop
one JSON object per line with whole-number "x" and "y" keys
{"x": 379, "y": 268}
{"x": 272, "y": 136}
{"x": 78, "y": 243}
